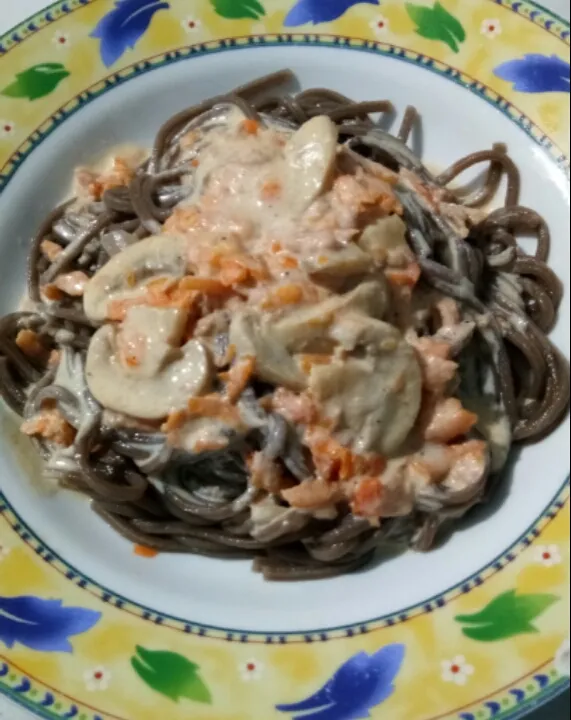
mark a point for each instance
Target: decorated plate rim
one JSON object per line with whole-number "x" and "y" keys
{"x": 343, "y": 632}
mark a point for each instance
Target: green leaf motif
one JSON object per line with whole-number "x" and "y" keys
{"x": 171, "y": 674}
{"x": 436, "y": 23}
{"x": 239, "y": 9}
{"x": 508, "y": 615}
{"x": 36, "y": 82}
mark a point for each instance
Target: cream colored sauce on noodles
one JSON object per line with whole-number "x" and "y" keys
{"x": 258, "y": 338}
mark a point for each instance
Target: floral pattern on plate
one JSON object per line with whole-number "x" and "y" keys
{"x": 67, "y": 655}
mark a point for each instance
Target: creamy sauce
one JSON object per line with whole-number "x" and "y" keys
{"x": 265, "y": 190}
{"x": 297, "y": 254}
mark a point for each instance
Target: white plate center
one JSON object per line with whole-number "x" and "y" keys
{"x": 224, "y": 593}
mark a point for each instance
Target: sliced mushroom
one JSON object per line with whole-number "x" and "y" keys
{"x": 151, "y": 338}
{"x": 274, "y": 344}
{"x": 304, "y": 330}
{"x": 375, "y": 399}
{"x": 310, "y": 158}
{"x": 254, "y": 335}
{"x": 185, "y": 373}
{"x": 338, "y": 264}
{"x": 125, "y": 275}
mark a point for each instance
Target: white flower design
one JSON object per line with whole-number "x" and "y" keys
{"x": 491, "y": 28}
{"x": 61, "y": 39}
{"x": 548, "y": 555}
{"x": 191, "y": 25}
{"x": 7, "y": 128}
{"x": 457, "y": 671}
{"x": 97, "y": 680}
{"x": 563, "y": 659}
{"x": 379, "y": 25}
{"x": 251, "y": 671}
{"x": 4, "y": 552}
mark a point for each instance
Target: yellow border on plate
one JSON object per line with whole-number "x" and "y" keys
{"x": 509, "y": 677}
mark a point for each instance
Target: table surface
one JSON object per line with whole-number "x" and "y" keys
{"x": 13, "y": 13}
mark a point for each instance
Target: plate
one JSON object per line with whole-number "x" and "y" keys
{"x": 88, "y": 630}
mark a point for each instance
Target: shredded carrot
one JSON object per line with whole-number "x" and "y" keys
{"x": 450, "y": 420}
{"x": 52, "y": 292}
{"x": 209, "y": 445}
{"x": 297, "y": 408}
{"x": 145, "y": 552}
{"x": 233, "y": 272}
{"x": 175, "y": 421}
{"x": 407, "y": 277}
{"x": 283, "y": 295}
{"x": 251, "y": 127}
{"x": 238, "y": 269}
{"x": 120, "y": 175}
{"x": 276, "y": 247}
{"x": 214, "y": 406}
{"x": 182, "y": 220}
{"x": 309, "y": 361}
{"x": 161, "y": 285}
{"x": 271, "y": 190}
{"x": 368, "y": 498}
{"x": 334, "y": 461}
{"x": 55, "y": 358}
{"x": 312, "y": 495}
{"x": 51, "y": 425}
{"x": 50, "y": 249}
{"x": 238, "y": 377}
{"x": 289, "y": 263}
{"x": 195, "y": 163}
{"x": 30, "y": 344}
{"x": 208, "y": 286}
{"x": 231, "y": 353}
{"x": 166, "y": 293}
{"x": 95, "y": 189}
{"x": 117, "y": 309}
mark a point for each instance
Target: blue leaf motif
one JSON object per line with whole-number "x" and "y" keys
{"x": 494, "y": 708}
{"x": 43, "y": 625}
{"x": 23, "y": 687}
{"x": 321, "y": 11}
{"x": 535, "y": 73}
{"x": 361, "y": 684}
{"x": 124, "y": 26}
{"x": 48, "y": 700}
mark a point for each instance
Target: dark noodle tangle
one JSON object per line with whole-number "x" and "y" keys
{"x": 174, "y": 502}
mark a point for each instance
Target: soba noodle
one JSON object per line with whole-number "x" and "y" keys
{"x": 170, "y": 500}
